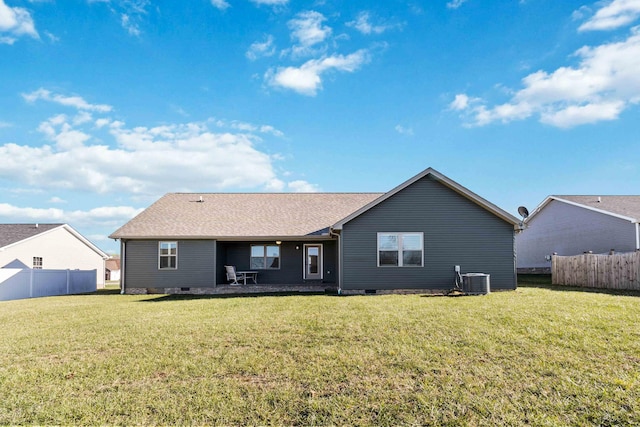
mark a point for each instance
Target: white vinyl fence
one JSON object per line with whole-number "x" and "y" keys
{"x": 616, "y": 271}
{"x": 16, "y": 283}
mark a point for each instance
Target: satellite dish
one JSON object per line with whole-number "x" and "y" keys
{"x": 524, "y": 213}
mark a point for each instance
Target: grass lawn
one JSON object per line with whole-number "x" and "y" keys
{"x": 540, "y": 355}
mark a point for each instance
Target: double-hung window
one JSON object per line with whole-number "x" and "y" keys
{"x": 168, "y": 255}
{"x": 400, "y": 249}
{"x": 265, "y": 257}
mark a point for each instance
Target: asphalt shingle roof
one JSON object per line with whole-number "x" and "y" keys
{"x": 112, "y": 264}
{"x": 235, "y": 215}
{"x": 13, "y": 233}
{"x": 628, "y": 206}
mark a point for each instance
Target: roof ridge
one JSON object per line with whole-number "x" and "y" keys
{"x": 33, "y": 223}
{"x": 281, "y": 193}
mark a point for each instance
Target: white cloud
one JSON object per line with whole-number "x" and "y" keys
{"x": 220, "y": 4}
{"x": 69, "y": 101}
{"x": 271, "y": 2}
{"x": 615, "y": 14}
{"x": 82, "y": 117}
{"x": 108, "y": 216}
{"x": 129, "y": 25}
{"x": 50, "y": 214}
{"x": 261, "y": 49}
{"x": 306, "y": 79}
{"x": 179, "y": 110}
{"x": 404, "y": 130}
{"x": 270, "y": 129}
{"x": 454, "y": 4}
{"x": 300, "y": 186}
{"x": 307, "y": 30}
{"x": 57, "y": 200}
{"x": 460, "y": 102}
{"x": 143, "y": 161}
{"x": 364, "y": 25}
{"x": 580, "y": 13}
{"x": 605, "y": 82}
{"x": 129, "y": 12}
{"x": 247, "y": 127}
{"x": 100, "y": 123}
{"x": 275, "y": 185}
{"x": 311, "y": 40}
{"x": 15, "y": 22}
{"x": 62, "y": 133}
{"x": 52, "y": 37}
{"x": 575, "y": 115}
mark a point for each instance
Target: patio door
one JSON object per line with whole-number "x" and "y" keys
{"x": 312, "y": 262}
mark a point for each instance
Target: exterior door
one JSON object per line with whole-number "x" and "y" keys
{"x": 313, "y": 262}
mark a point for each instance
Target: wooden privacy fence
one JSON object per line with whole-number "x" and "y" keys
{"x": 616, "y": 271}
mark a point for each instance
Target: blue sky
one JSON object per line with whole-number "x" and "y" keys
{"x": 105, "y": 105}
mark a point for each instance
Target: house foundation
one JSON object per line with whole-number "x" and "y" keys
{"x": 237, "y": 290}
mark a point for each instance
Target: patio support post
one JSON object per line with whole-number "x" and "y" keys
{"x": 215, "y": 263}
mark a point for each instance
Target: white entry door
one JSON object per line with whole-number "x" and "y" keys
{"x": 313, "y": 262}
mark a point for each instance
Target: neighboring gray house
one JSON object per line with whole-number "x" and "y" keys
{"x": 49, "y": 246}
{"x": 572, "y": 225}
{"x": 408, "y": 238}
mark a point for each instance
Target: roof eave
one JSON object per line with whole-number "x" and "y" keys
{"x": 232, "y": 238}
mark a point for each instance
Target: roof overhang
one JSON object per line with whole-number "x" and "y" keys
{"x": 309, "y": 237}
{"x": 463, "y": 191}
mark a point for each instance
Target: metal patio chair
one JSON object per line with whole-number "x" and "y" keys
{"x": 233, "y": 277}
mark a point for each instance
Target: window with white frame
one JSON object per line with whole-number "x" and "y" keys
{"x": 265, "y": 257}
{"x": 168, "y": 255}
{"x": 400, "y": 249}
{"x": 37, "y": 263}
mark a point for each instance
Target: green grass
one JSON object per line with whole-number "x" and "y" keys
{"x": 540, "y": 355}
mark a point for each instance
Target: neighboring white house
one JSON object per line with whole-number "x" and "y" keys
{"x": 50, "y": 246}
{"x": 572, "y": 225}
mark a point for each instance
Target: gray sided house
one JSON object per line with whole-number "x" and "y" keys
{"x": 408, "y": 238}
{"x": 572, "y": 225}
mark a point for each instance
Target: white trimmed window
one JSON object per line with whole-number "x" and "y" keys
{"x": 168, "y": 255}
{"x": 265, "y": 257}
{"x": 400, "y": 249}
{"x": 37, "y": 263}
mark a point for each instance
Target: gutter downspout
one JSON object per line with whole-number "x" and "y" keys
{"x": 339, "y": 246}
{"x": 637, "y": 236}
{"x": 122, "y": 265}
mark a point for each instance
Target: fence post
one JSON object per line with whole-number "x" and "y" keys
{"x": 68, "y": 277}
